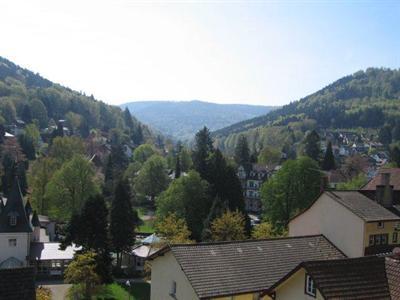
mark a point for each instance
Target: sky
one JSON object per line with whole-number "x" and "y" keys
{"x": 253, "y": 52}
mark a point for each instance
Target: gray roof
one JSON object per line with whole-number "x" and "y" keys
{"x": 362, "y": 206}
{"x": 51, "y": 251}
{"x": 14, "y": 207}
{"x": 368, "y": 277}
{"x": 226, "y": 268}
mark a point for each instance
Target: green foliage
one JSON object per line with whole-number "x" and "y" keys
{"x": 143, "y": 153}
{"x": 365, "y": 99}
{"x": 152, "y": 178}
{"x": 40, "y": 174}
{"x": 82, "y": 270}
{"x": 395, "y": 156}
{"x": 186, "y": 197}
{"x": 312, "y": 145}
{"x": 264, "y": 230}
{"x": 64, "y": 148}
{"x": 242, "y": 152}
{"x": 228, "y": 227}
{"x": 353, "y": 184}
{"x": 123, "y": 221}
{"x": 173, "y": 230}
{"x": 290, "y": 190}
{"x": 70, "y": 187}
{"x": 203, "y": 147}
{"x": 269, "y": 156}
{"x": 328, "y": 162}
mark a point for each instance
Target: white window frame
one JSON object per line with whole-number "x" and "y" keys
{"x": 310, "y": 288}
{"x": 381, "y": 225}
{"x": 395, "y": 237}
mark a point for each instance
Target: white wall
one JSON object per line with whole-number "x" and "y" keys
{"x": 20, "y": 251}
{"x": 337, "y": 223}
{"x": 164, "y": 270}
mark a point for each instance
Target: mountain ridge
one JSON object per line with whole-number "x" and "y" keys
{"x": 181, "y": 119}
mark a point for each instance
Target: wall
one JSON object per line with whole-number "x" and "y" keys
{"x": 17, "y": 284}
{"x": 293, "y": 288}
{"x": 326, "y": 216}
{"x": 389, "y": 228}
{"x": 20, "y": 251}
{"x": 164, "y": 270}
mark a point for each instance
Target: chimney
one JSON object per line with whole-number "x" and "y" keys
{"x": 384, "y": 191}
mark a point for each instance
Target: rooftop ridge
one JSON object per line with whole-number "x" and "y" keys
{"x": 247, "y": 241}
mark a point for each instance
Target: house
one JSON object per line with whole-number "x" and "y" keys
{"x": 23, "y": 241}
{"x": 232, "y": 270}
{"x": 370, "y": 277}
{"x": 387, "y": 181}
{"x": 251, "y": 181}
{"x": 134, "y": 260}
{"x": 356, "y": 224}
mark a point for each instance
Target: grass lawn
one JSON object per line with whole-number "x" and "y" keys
{"x": 138, "y": 291}
{"x": 147, "y": 227}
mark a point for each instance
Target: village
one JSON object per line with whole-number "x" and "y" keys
{"x": 344, "y": 245}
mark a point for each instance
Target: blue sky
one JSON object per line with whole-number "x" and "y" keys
{"x": 255, "y": 52}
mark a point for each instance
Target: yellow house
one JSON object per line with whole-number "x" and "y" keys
{"x": 237, "y": 270}
{"x": 353, "y": 222}
{"x": 369, "y": 277}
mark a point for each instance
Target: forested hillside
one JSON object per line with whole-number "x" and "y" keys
{"x": 181, "y": 120}
{"x": 367, "y": 99}
{"x": 28, "y": 96}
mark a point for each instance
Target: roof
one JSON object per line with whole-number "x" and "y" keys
{"x": 394, "y": 180}
{"x": 144, "y": 251}
{"x": 14, "y": 206}
{"x": 228, "y": 268}
{"x": 362, "y": 206}
{"x": 370, "y": 277}
{"x": 51, "y": 251}
{"x": 151, "y": 239}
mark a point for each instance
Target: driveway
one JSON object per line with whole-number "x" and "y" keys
{"x": 58, "y": 289}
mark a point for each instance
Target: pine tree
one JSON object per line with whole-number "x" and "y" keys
{"x": 312, "y": 145}
{"x": 2, "y": 134}
{"x": 242, "y": 152}
{"x": 122, "y": 222}
{"x": 395, "y": 156}
{"x": 128, "y": 119}
{"x": 178, "y": 167}
{"x": 385, "y": 135}
{"x": 26, "y": 114}
{"x": 202, "y": 149}
{"x": 329, "y": 160}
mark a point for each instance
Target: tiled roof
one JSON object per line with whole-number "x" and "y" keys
{"x": 368, "y": 277}
{"x": 394, "y": 180}
{"x": 362, "y": 206}
{"x": 226, "y": 268}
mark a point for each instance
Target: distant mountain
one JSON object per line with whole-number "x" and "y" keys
{"x": 365, "y": 100}
{"x": 181, "y": 120}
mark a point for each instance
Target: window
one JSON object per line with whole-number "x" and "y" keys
{"x": 12, "y": 243}
{"x": 310, "y": 286}
{"x": 394, "y": 238}
{"x": 13, "y": 220}
{"x": 381, "y": 225}
{"x": 378, "y": 239}
{"x": 173, "y": 289}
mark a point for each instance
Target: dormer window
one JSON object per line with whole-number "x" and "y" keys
{"x": 310, "y": 288}
{"x": 13, "y": 220}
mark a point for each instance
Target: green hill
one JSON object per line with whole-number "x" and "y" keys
{"x": 366, "y": 99}
{"x": 28, "y": 96}
{"x": 182, "y": 119}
